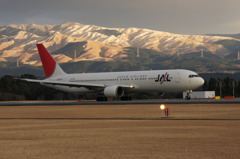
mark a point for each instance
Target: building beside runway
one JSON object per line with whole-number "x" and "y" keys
{"x": 200, "y": 94}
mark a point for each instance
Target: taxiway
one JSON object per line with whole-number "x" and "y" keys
{"x": 156, "y": 101}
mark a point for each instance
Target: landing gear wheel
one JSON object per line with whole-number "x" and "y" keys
{"x": 188, "y": 97}
{"x": 101, "y": 99}
{"x": 125, "y": 98}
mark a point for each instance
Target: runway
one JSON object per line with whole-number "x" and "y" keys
{"x": 119, "y": 130}
{"x": 148, "y": 101}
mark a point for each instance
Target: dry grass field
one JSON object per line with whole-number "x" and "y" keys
{"x": 200, "y": 131}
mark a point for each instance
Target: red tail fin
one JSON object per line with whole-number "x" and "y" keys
{"x": 49, "y": 64}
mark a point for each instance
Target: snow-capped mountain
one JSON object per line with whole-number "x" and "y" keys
{"x": 18, "y": 42}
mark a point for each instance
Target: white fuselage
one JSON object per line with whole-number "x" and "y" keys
{"x": 177, "y": 80}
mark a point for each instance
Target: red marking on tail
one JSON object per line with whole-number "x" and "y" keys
{"x": 48, "y": 62}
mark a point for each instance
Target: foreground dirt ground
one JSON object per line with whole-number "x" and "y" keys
{"x": 200, "y": 131}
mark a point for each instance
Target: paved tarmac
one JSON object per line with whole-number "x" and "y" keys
{"x": 149, "y": 101}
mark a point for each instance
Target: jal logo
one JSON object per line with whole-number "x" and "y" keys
{"x": 162, "y": 78}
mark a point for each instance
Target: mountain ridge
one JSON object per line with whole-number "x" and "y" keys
{"x": 17, "y": 42}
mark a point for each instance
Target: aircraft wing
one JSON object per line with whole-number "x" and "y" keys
{"x": 74, "y": 84}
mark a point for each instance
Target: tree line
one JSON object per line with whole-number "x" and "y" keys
{"x": 14, "y": 89}
{"x": 223, "y": 87}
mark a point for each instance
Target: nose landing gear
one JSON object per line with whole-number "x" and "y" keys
{"x": 188, "y": 97}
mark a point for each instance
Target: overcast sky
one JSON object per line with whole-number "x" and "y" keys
{"x": 176, "y": 16}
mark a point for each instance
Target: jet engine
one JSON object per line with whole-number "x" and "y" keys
{"x": 113, "y": 91}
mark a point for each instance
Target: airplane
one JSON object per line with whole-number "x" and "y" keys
{"x": 116, "y": 84}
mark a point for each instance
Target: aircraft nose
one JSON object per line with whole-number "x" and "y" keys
{"x": 201, "y": 81}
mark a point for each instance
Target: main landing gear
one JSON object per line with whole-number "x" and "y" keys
{"x": 101, "y": 98}
{"x": 123, "y": 98}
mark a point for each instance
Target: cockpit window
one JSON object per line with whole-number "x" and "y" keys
{"x": 191, "y": 76}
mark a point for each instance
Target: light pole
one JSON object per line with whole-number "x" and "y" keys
{"x": 233, "y": 84}
{"x": 220, "y": 84}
